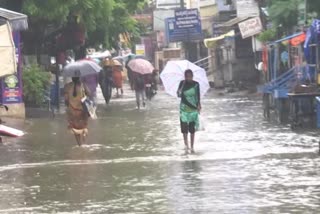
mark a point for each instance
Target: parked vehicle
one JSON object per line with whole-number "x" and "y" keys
{"x": 150, "y": 91}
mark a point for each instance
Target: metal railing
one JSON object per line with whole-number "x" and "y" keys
{"x": 205, "y": 64}
{"x": 284, "y": 81}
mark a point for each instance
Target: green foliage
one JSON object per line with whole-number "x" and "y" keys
{"x": 314, "y": 6}
{"x": 57, "y": 11}
{"x": 284, "y": 13}
{"x": 267, "y": 35}
{"x": 103, "y": 19}
{"x": 35, "y": 83}
{"x": 119, "y": 22}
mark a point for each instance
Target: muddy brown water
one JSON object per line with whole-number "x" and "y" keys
{"x": 134, "y": 163}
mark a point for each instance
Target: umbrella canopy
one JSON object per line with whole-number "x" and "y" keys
{"x": 141, "y": 66}
{"x": 100, "y": 55}
{"x": 116, "y": 63}
{"x": 98, "y": 61}
{"x": 173, "y": 74}
{"x": 81, "y": 68}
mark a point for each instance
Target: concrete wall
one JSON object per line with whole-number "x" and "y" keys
{"x": 208, "y": 11}
{"x": 227, "y": 67}
{"x": 243, "y": 70}
{"x": 15, "y": 111}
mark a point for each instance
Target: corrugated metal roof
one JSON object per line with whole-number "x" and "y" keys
{"x": 18, "y": 21}
{"x": 234, "y": 21}
{"x": 288, "y": 37}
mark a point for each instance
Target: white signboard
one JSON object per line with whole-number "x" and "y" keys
{"x": 247, "y": 8}
{"x": 140, "y": 49}
{"x": 200, "y": 3}
{"x": 158, "y": 19}
{"x": 204, "y": 3}
{"x": 250, "y": 27}
{"x": 168, "y": 4}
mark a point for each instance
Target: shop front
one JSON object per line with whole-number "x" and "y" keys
{"x": 11, "y": 66}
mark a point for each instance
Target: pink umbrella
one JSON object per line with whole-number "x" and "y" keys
{"x": 141, "y": 66}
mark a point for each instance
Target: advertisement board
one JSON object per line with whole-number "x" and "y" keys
{"x": 167, "y": 4}
{"x": 250, "y": 27}
{"x": 12, "y": 85}
{"x": 158, "y": 19}
{"x": 140, "y": 49}
{"x": 247, "y": 8}
{"x": 184, "y": 27}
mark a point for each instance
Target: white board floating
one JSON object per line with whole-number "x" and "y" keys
{"x": 11, "y": 132}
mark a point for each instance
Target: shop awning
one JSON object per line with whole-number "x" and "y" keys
{"x": 17, "y": 21}
{"x": 211, "y": 42}
{"x": 235, "y": 21}
{"x": 288, "y": 37}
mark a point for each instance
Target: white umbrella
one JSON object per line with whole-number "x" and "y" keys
{"x": 173, "y": 74}
{"x": 81, "y": 68}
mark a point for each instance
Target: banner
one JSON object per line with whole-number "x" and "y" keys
{"x": 12, "y": 85}
{"x": 247, "y": 8}
{"x": 185, "y": 26}
{"x": 140, "y": 49}
{"x": 250, "y": 27}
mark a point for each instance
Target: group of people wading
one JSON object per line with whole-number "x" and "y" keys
{"x": 109, "y": 78}
{"x": 75, "y": 91}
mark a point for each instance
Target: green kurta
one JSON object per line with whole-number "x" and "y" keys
{"x": 188, "y": 114}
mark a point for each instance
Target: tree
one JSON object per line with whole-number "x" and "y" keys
{"x": 103, "y": 20}
{"x": 119, "y": 22}
{"x": 57, "y": 11}
{"x": 313, "y": 6}
{"x": 284, "y": 13}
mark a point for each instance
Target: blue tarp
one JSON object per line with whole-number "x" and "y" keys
{"x": 312, "y": 37}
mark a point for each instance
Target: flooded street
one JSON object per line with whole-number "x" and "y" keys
{"x": 134, "y": 163}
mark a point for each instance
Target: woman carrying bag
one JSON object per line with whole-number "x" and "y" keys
{"x": 77, "y": 113}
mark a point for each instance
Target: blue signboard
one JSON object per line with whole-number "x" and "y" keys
{"x": 184, "y": 27}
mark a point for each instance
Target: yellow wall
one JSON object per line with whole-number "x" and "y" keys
{"x": 206, "y": 9}
{"x": 209, "y": 11}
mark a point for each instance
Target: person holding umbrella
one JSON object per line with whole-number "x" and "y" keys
{"x": 140, "y": 68}
{"x": 189, "y": 82}
{"x": 117, "y": 76}
{"x": 190, "y": 107}
{"x": 76, "y": 97}
{"x": 76, "y": 114}
{"x": 139, "y": 87}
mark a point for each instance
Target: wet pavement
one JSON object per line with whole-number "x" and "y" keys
{"x": 134, "y": 163}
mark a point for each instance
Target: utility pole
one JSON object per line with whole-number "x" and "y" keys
{"x": 182, "y": 4}
{"x": 305, "y": 12}
{"x": 185, "y": 44}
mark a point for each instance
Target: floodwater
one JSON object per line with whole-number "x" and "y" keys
{"x": 134, "y": 163}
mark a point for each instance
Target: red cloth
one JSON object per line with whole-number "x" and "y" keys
{"x": 298, "y": 40}
{"x": 265, "y": 59}
{"x": 117, "y": 76}
{"x": 61, "y": 59}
